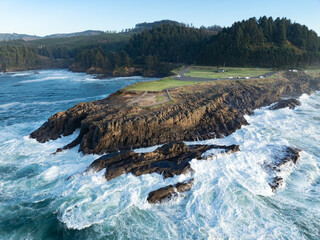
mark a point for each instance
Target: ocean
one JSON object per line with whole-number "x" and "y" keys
{"x": 230, "y": 199}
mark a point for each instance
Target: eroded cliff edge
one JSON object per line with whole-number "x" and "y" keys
{"x": 128, "y": 120}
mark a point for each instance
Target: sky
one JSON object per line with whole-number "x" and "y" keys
{"x": 44, "y": 17}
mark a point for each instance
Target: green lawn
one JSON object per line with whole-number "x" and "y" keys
{"x": 211, "y": 72}
{"x": 159, "y": 85}
{"x": 197, "y": 71}
{"x": 313, "y": 72}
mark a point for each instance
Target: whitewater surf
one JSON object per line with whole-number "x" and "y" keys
{"x": 231, "y": 196}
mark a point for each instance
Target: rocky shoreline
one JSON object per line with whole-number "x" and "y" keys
{"x": 117, "y": 72}
{"x": 116, "y": 124}
{"x": 204, "y": 111}
{"x": 168, "y": 160}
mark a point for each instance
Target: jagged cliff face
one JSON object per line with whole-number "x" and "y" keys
{"x": 203, "y": 111}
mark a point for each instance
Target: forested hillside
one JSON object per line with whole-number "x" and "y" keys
{"x": 169, "y": 43}
{"x": 19, "y": 54}
{"x": 263, "y": 42}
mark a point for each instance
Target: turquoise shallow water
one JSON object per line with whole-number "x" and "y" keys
{"x": 231, "y": 198}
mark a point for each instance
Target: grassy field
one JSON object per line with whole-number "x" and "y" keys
{"x": 159, "y": 85}
{"x": 313, "y": 72}
{"x": 198, "y": 71}
{"x": 211, "y": 72}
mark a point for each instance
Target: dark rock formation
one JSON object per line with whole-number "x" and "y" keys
{"x": 169, "y": 192}
{"x": 276, "y": 183}
{"x": 283, "y": 103}
{"x": 203, "y": 111}
{"x": 291, "y": 156}
{"x": 169, "y": 160}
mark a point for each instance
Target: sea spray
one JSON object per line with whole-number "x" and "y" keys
{"x": 231, "y": 197}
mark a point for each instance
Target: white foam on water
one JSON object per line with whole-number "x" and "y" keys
{"x": 45, "y": 79}
{"x": 94, "y": 78}
{"x": 7, "y": 106}
{"x": 230, "y": 199}
{"x": 51, "y": 174}
{"x": 86, "y": 79}
{"x": 21, "y": 74}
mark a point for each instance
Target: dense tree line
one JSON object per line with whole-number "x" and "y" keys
{"x": 264, "y": 42}
{"x": 152, "y": 50}
{"x": 261, "y": 42}
{"x": 168, "y": 42}
{"x": 71, "y": 47}
{"x": 20, "y": 54}
{"x": 17, "y": 57}
{"x": 105, "y": 60}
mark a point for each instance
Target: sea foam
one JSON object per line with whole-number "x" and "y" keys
{"x": 230, "y": 199}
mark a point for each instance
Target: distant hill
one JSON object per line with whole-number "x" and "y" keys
{"x": 147, "y": 26}
{"x": 76, "y": 34}
{"x": 140, "y": 27}
{"x": 26, "y": 37}
{"x": 16, "y": 36}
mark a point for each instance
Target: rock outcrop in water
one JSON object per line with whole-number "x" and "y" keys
{"x": 290, "y": 157}
{"x": 291, "y": 103}
{"x": 208, "y": 110}
{"x": 169, "y": 192}
{"x": 169, "y": 160}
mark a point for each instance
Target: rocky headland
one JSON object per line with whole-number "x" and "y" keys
{"x": 127, "y": 120}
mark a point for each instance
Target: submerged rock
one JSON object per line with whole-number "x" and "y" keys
{"x": 290, "y": 157}
{"x": 283, "y": 103}
{"x": 276, "y": 183}
{"x": 169, "y": 160}
{"x": 169, "y": 192}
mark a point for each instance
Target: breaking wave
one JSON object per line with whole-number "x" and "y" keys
{"x": 231, "y": 198}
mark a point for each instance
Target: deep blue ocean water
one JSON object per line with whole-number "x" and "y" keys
{"x": 231, "y": 198}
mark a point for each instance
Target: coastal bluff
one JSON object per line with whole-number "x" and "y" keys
{"x": 124, "y": 120}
